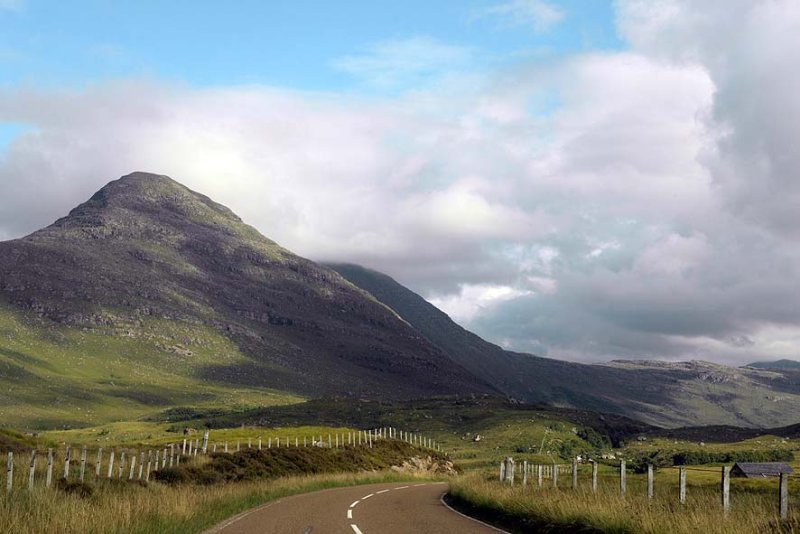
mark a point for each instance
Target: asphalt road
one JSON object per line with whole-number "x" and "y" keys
{"x": 374, "y": 509}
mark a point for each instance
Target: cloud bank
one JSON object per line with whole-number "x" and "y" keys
{"x": 639, "y": 203}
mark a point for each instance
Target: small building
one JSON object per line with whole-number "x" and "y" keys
{"x": 760, "y": 469}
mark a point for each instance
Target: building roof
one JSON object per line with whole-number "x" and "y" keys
{"x": 760, "y": 469}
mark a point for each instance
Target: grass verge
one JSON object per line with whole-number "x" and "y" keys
{"x": 549, "y": 510}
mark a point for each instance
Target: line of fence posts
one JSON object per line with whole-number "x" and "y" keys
{"x": 507, "y": 471}
{"x": 126, "y": 465}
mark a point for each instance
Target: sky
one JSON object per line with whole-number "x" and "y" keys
{"x": 585, "y": 179}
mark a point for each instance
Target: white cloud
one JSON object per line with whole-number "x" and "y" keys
{"x": 537, "y": 14}
{"x": 402, "y": 62}
{"x": 473, "y": 300}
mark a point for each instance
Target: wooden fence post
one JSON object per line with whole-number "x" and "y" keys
{"x": 525, "y": 473}
{"x": 133, "y": 466}
{"x": 503, "y": 471}
{"x": 158, "y": 459}
{"x": 121, "y": 464}
{"x": 66, "y": 463}
{"x": 594, "y": 476}
{"x": 205, "y": 442}
{"x": 141, "y": 465}
{"x": 49, "y": 479}
{"x": 555, "y": 475}
{"x": 783, "y": 496}
{"x": 259, "y": 442}
{"x": 539, "y": 475}
{"x": 98, "y": 461}
{"x": 149, "y": 464}
{"x": 110, "y": 464}
{"x": 172, "y": 454}
{"x": 574, "y": 473}
{"x": 682, "y": 484}
{"x": 622, "y": 487}
{"x": 726, "y": 488}
{"x": 10, "y": 471}
{"x": 649, "y": 481}
{"x": 32, "y": 472}
{"x": 83, "y": 464}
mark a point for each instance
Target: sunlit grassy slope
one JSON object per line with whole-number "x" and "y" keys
{"x": 52, "y": 376}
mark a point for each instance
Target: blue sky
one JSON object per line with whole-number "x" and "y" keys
{"x": 285, "y": 43}
{"x": 584, "y": 179}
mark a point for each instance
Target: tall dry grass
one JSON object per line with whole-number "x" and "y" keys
{"x": 129, "y": 507}
{"x": 534, "y": 509}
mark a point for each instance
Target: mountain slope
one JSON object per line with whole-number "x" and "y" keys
{"x": 777, "y": 364}
{"x": 666, "y": 394}
{"x": 148, "y": 266}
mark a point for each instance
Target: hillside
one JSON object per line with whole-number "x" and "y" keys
{"x": 664, "y": 394}
{"x": 150, "y": 295}
{"x": 777, "y": 364}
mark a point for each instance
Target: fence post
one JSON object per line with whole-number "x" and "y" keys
{"x": 49, "y": 479}
{"x": 622, "y": 487}
{"x": 83, "y": 463}
{"x": 66, "y": 463}
{"x": 783, "y": 496}
{"x": 205, "y": 442}
{"x": 133, "y": 466}
{"x": 539, "y": 475}
{"x": 32, "y": 472}
{"x": 121, "y": 464}
{"x": 594, "y": 476}
{"x": 259, "y": 443}
{"x": 682, "y": 484}
{"x": 574, "y": 473}
{"x": 97, "y": 462}
{"x": 555, "y": 475}
{"x": 10, "y": 471}
{"x": 525, "y": 473}
{"x": 503, "y": 471}
{"x": 149, "y": 464}
{"x": 649, "y": 481}
{"x": 726, "y": 488}
{"x": 141, "y": 465}
{"x": 110, "y": 464}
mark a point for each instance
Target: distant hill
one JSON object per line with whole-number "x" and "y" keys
{"x": 660, "y": 393}
{"x": 152, "y": 295}
{"x": 777, "y": 364}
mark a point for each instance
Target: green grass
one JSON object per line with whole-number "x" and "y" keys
{"x": 56, "y": 377}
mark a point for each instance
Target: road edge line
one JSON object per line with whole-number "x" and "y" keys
{"x": 441, "y": 499}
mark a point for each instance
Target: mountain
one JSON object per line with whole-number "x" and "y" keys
{"x": 777, "y": 364}
{"x": 660, "y": 393}
{"x": 151, "y": 295}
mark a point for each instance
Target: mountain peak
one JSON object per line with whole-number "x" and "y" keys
{"x": 143, "y": 202}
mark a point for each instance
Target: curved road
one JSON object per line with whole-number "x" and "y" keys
{"x": 397, "y": 508}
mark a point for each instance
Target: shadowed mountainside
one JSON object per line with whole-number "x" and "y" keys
{"x": 666, "y": 394}
{"x": 146, "y": 252}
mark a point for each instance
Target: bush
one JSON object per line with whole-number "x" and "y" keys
{"x": 75, "y": 487}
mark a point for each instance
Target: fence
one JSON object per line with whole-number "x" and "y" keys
{"x": 508, "y": 471}
{"x": 124, "y": 463}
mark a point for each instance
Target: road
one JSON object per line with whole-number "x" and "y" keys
{"x": 373, "y": 509}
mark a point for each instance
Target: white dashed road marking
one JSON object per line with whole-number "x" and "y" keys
{"x": 356, "y": 529}
{"x": 354, "y": 504}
